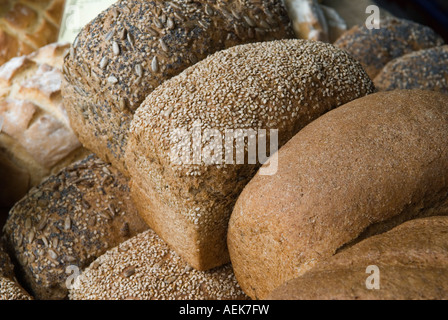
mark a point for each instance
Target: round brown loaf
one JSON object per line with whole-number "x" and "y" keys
{"x": 67, "y": 221}
{"x": 358, "y": 170}
{"x": 281, "y": 85}
{"x": 135, "y": 45}
{"x": 423, "y": 69}
{"x": 27, "y": 25}
{"x": 35, "y": 135}
{"x": 145, "y": 268}
{"x": 396, "y": 37}
{"x": 411, "y": 262}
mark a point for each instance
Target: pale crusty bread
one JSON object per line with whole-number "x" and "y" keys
{"x": 35, "y": 135}
{"x": 135, "y": 45}
{"x": 280, "y": 85}
{"x": 27, "y": 25}
{"x": 359, "y": 170}
{"x": 412, "y": 262}
{"x": 424, "y": 69}
{"x": 145, "y": 268}
{"x": 396, "y": 37}
{"x": 68, "y": 220}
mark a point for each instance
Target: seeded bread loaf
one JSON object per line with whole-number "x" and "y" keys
{"x": 278, "y": 85}
{"x": 135, "y": 45}
{"x": 374, "y": 48}
{"x": 66, "y": 222}
{"x": 410, "y": 262}
{"x": 358, "y": 170}
{"x": 423, "y": 69}
{"x": 35, "y": 135}
{"x": 145, "y": 268}
{"x": 27, "y": 25}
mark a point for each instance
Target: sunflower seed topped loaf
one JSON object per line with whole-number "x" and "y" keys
{"x": 27, "y": 25}
{"x": 374, "y": 48}
{"x": 424, "y": 69}
{"x": 67, "y": 221}
{"x": 411, "y": 261}
{"x": 359, "y": 170}
{"x": 145, "y": 268}
{"x": 135, "y": 45}
{"x": 276, "y": 85}
{"x": 35, "y": 134}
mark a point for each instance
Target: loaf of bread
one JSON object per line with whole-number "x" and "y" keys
{"x": 66, "y": 222}
{"x": 410, "y": 263}
{"x": 35, "y": 135}
{"x": 276, "y": 85}
{"x": 424, "y": 69}
{"x": 10, "y": 289}
{"x": 145, "y": 268}
{"x": 27, "y": 25}
{"x": 374, "y": 48}
{"x": 135, "y": 45}
{"x": 357, "y": 171}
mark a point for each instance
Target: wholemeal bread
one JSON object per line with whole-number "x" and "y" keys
{"x": 374, "y": 48}
{"x": 66, "y": 222}
{"x": 27, "y": 25}
{"x": 410, "y": 262}
{"x": 423, "y": 69}
{"x": 359, "y": 170}
{"x": 135, "y": 45}
{"x": 35, "y": 135}
{"x": 145, "y": 268}
{"x": 10, "y": 289}
{"x": 279, "y": 85}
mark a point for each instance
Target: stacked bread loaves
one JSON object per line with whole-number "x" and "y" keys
{"x": 27, "y": 25}
{"x": 66, "y": 222}
{"x": 276, "y": 85}
{"x": 357, "y": 171}
{"x": 135, "y": 45}
{"x": 35, "y": 135}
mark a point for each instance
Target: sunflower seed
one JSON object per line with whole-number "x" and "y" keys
{"x": 155, "y": 64}
{"x": 103, "y": 63}
{"x": 52, "y": 254}
{"x": 158, "y": 24}
{"x": 28, "y": 223}
{"x": 67, "y": 223}
{"x": 139, "y": 70}
{"x": 163, "y": 45}
{"x": 249, "y": 21}
{"x": 170, "y": 23}
{"x": 112, "y": 80}
{"x": 115, "y": 48}
{"x": 208, "y": 10}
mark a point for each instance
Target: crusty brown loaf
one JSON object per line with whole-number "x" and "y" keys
{"x": 27, "y": 25}
{"x": 395, "y": 38}
{"x": 359, "y": 170}
{"x": 424, "y": 69}
{"x": 35, "y": 135}
{"x": 280, "y": 85}
{"x": 145, "y": 268}
{"x": 68, "y": 220}
{"x": 135, "y": 45}
{"x": 412, "y": 261}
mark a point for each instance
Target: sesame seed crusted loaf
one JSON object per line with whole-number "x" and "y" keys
{"x": 35, "y": 135}
{"x": 67, "y": 221}
{"x": 357, "y": 171}
{"x": 276, "y": 85}
{"x": 412, "y": 261}
{"x": 27, "y": 25}
{"x": 396, "y": 37}
{"x": 135, "y": 45}
{"x": 424, "y": 69}
{"x": 145, "y": 268}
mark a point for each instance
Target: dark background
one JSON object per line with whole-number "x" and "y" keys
{"x": 432, "y": 13}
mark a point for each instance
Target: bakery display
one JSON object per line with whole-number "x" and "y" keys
{"x": 67, "y": 221}
{"x": 396, "y": 37}
{"x": 122, "y": 56}
{"x": 424, "y": 69}
{"x": 27, "y": 25}
{"x": 357, "y": 171}
{"x": 411, "y": 262}
{"x": 276, "y": 85}
{"x": 145, "y": 268}
{"x": 35, "y": 134}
